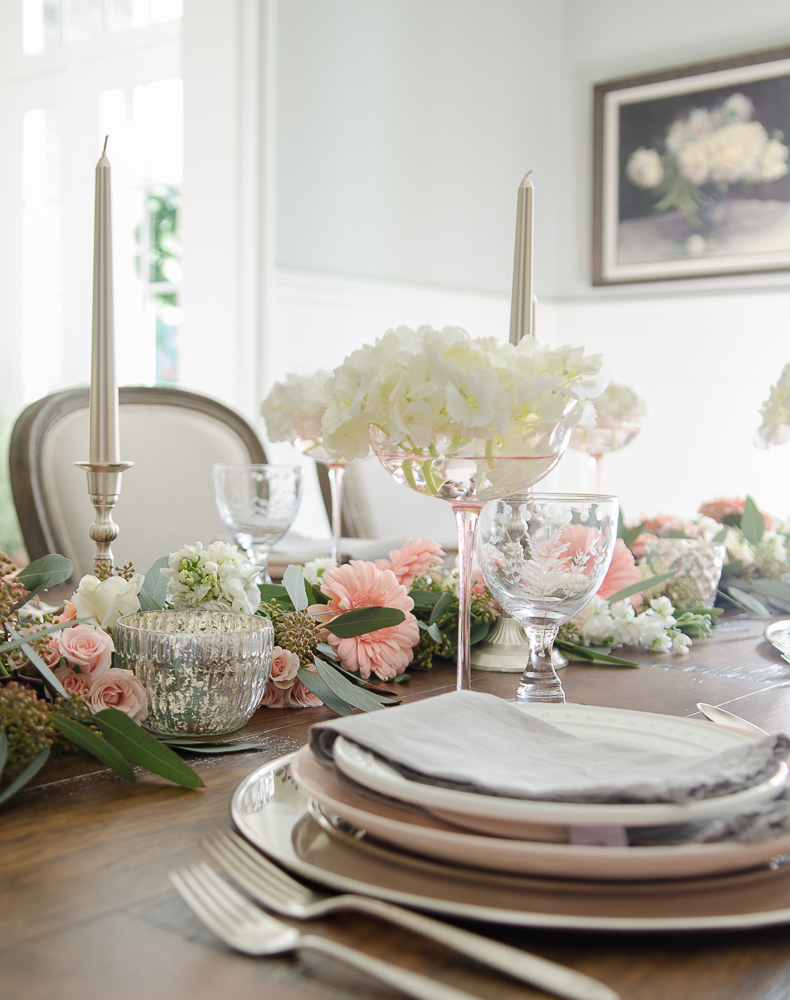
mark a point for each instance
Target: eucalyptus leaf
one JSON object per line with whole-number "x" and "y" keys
{"x": 271, "y": 591}
{"x": 779, "y": 605}
{"x": 772, "y": 588}
{"x": 628, "y": 535}
{"x": 143, "y": 749}
{"x": 435, "y": 633}
{"x": 38, "y": 663}
{"x": 212, "y": 748}
{"x": 357, "y": 697}
{"x": 293, "y": 581}
{"x": 720, "y": 535}
{"x": 22, "y": 779}
{"x": 48, "y": 571}
{"x": 441, "y": 607}
{"x": 586, "y": 653}
{"x": 155, "y": 585}
{"x": 326, "y": 649}
{"x": 752, "y": 522}
{"x": 479, "y": 631}
{"x": 361, "y": 621}
{"x": 15, "y": 643}
{"x": 732, "y": 568}
{"x": 3, "y": 749}
{"x": 636, "y": 588}
{"x": 314, "y": 595}
{"x": 94, "y": 744}
{"x": 314, "y": 683}
{"x": 384, "y": 696}
{"x": 424, "y": 599}
{"x": 749, "y": 602}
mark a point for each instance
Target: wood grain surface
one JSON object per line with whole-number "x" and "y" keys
{"x": 88, "y": 912}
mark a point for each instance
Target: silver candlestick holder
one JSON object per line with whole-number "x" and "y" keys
{"x": 104, "y": 488}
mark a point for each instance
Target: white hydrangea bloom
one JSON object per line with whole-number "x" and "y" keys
{"x": 218, "y": 578}
{"x": 315, "y": 569}
{"x": 619, "y": 400}
{"x": 295, "y": 406}
{"x": 775, "y": 428}
{"x": 418, "y": 385}
{"x": 644, "y": 168}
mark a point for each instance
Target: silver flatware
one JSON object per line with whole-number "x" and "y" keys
{"x": 724, "y": 718}
{"x": 276, "y": 890}
{"x": 240, "y": 924}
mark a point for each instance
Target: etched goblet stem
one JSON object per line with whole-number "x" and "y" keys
{"x": 539, "y": 682}
{"x": 466, "y": 524}
{"x": 337, "y": 471}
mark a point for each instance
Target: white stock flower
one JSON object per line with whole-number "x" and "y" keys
{"x": 775, "y": 411}
{"x": 103, "y": 602}
{"x": 296, "y": 406}
{"x": 218, "y": 578}
{"x": 315, "y": 569}
{"x": 416, "y": 386}
{"x": 644, "y": 168}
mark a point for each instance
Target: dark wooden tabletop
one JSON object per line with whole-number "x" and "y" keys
{"x": 87, "y": 910}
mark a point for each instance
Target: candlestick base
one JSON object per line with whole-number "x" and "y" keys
{"x": 505, "y": 649}
{"x": 104, "y": 488}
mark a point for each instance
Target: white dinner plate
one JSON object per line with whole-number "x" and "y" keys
{"x": 514, "y": 817}
{"x": 271, "y": 813}
{"x": 778, "y": 634}
{"x": 414, "y": 831}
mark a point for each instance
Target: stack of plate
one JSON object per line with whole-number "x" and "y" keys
{"x": 508, "y": 860}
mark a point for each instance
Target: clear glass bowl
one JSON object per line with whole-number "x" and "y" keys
{"x": 204, "y": 672}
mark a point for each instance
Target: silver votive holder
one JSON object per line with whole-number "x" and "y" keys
{"x": 697, "y": 565}
{"x": 204, "y": 672}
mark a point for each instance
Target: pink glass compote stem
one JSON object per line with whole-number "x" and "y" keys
{"x": 595, "y": 470}
{"x": 337, "y": 471}
{"x": 468, "y": 482}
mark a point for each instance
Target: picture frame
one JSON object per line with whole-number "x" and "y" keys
{"x": 692, "y": 171}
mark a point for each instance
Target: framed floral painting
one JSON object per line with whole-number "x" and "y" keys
{"x": 692, "y": 176}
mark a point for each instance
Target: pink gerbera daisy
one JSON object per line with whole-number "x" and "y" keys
{"x": 360, "y": 584}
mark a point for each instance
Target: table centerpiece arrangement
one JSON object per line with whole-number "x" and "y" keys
{"x": 463, "y": 419}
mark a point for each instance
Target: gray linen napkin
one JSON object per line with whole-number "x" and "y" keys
{"x": 479, "y": 743}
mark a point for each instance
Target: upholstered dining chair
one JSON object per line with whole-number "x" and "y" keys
{"x": 167, "y": 497}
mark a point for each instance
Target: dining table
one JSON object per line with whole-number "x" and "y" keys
{"x": 88, "y": 911}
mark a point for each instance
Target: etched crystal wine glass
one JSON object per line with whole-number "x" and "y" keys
{"x": 258, "y": 504}
{"x": 543, "y": 556}
{"x": 467, "y": 476}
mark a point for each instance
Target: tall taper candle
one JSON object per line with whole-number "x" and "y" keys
{"x": 522, "y": 320}
{"x": 104, "y": 444}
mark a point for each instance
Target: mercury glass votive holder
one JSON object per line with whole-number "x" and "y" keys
{"x": 697, "y": 565}
{"x": 204, "y": 672}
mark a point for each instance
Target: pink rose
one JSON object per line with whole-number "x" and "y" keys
{"x": 88, "y": 648}
{"x": 116, "y": 688}
{"x": 72, "y": 682}
{"x": 284, "y": 667}
{"x": 302, "y": 697}
{"x": 416, "y": 557}
{"x": 274, "y": 697}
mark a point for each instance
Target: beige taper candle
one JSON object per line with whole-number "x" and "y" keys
{"x": 522, "y": 317}
{"x": 104, "y": 442}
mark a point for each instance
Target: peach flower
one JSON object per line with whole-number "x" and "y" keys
{"x": 361, "y": 584}
{"x": 638, "y": 545}
{"x": 116, "y": 688}
{"x": 416, "y": 557}
{"x": 69, "y": 612}
{"x": 302, "y": 697}
{"x": 284, "y": 667}
{"x": 729, "y": 510}
{"x": 623, "y": 572}
{"x": 274, "y": 697}
{"x": 88, "y": 648}
{"x": 73, "y": 683}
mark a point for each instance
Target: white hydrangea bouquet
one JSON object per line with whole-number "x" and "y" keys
{"x": 294, "y": 407}
{"x": 775, "y": 411}
{"x": 478, "y": 395}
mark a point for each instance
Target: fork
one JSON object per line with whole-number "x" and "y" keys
{"x": 240, "y": 924}
{"x": 277, "y": 891}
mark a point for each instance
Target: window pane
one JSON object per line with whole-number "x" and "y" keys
{"x": 86, "y": 19}
{"x": 168, "y": 327}
{"x": 40, "y": 25}
{"x": 42, "y": 304}
{"x": 127, "y": 14}
{"x": 165, "y": 10}
{"x": 164, "y": 256}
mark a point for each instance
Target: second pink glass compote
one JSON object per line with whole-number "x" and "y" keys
{"x": 467, "y": 478}
{"x": 621, "y": 412}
